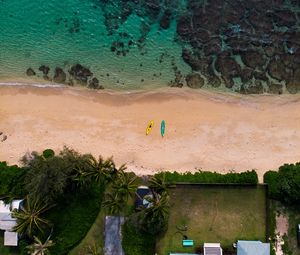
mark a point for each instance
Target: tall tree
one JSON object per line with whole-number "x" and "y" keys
{"x": 158, "y": 183}
{"x": 113, "y": 203}
{"x": 100, "y": 170}
{"x": 124, "y": 185}
{"x": 49, "y": 177}
{"x": 154, "y": 219}
{"x": 40, "y": 248}
{"x": 29, "y": 218}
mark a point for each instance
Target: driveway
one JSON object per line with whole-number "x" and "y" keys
{"x": 113, "y": 235}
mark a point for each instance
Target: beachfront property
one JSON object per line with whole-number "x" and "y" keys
{"x": 7, "y": 223}
{"x": 242, "y": 248}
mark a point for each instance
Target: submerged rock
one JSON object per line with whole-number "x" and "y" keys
{"x": 59, "y": 75}
{"x": 293, "y": 86}
{"x": 194, "y": 81}
{"x": 214, "y": 81}
{"x": 275, "y": 88}
{"x": 44, "y": 69}
{"x": 80, "y": 73}
{"x": 94, "y": 84}
{"x": 252, "y": 88}
{"x": 276, "y": 69}
{"x": 253, "y": 59}
{"x": 165, "y": 20}
{"x": 30, "y": 72}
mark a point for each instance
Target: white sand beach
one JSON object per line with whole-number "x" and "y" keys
{"x": 204, "y": 129}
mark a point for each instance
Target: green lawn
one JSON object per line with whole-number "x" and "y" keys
{"x": 214, "y": 214}
{"x": 94, "y": 238}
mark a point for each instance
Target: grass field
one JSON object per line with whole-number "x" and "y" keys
{"x": 214, "y": 214}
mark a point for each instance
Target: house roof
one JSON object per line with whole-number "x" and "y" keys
{"x": 15, "y": 204}
{"x": 141, "y": 192}
{"x": 253, "y": 248}
{"x": 10, "y": 238}
{"x": 4, "y": 208}
{"x": 212, "y": 249}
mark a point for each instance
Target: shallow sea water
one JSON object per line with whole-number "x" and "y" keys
{"x": 43, "y": 32}
{"x": 247, "y": 46}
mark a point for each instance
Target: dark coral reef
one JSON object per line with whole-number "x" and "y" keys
{"x": 249, "y": 46}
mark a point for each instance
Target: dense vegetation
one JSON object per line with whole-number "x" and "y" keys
{"x": 73, "y": 216}
{"x": 62, "y": 197}
{"x": 12, "y": 181}
{"x": 249, "y": 177}
{"x": 284, "y": 185}
{"x": 64, "y": 193}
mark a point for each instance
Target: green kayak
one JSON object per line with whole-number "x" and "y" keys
{"x": 163, "y": 128}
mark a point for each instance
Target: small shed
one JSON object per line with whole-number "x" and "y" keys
{"x": 10, "y": 238}
{"x": 212, "y": 249}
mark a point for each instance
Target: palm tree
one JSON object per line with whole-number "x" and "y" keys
{"x": 154, "y": 219}
{"x": 29, "y": 217}
{"x": 101, "y": 171}
{"x": 124, "y": 186}
{"x": 158, "y": 183}
{"x": 39, "y": 248}
{"x": 113, "y": 203}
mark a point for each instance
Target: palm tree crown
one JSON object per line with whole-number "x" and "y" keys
{"x": 29, "y": 217}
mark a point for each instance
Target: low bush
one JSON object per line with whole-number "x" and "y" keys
{"x": 249, "y": 177}
{"x": 284, "y": 185}
{"x": 12, "y": 180}
{"x": 48, "y": 153}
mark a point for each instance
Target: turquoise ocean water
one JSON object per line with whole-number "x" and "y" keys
{"x": 248, "y": 46}
{"x": 43, "y": 32}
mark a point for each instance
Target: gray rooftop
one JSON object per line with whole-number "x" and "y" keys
{"x": 253, "y": 248}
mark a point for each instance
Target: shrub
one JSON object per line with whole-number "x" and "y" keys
{"x": 271, "y": 178}
{"x": 50, "y": 177}
{"x": 249, "y": 177}
{"x": 12, "y": 180}
{"x": 284, "y": 185}
{"x": 48, "y": 153}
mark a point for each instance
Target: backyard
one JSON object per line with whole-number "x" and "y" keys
{"x": 214, "y": 213}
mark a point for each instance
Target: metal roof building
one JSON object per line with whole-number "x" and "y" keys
{"x": 212, "y": 249}
{"x": 252, "y": 248}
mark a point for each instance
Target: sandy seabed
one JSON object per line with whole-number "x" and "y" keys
{"x": 204, "y": 129}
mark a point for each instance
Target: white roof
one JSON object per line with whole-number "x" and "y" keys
{"x": 4, "y": 208}
{"x": 15, "y": 204}
{"x": 10, "y": 238}
{"x": 143, "y": 187}
{"x": 212, "y": 249}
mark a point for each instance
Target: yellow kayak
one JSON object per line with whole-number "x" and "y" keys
{"x": 150, "y": 125}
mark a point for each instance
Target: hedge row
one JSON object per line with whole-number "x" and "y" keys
{"x": 249, "y": 177}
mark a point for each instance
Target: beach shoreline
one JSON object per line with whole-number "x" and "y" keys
{"x": 205, "y": 129}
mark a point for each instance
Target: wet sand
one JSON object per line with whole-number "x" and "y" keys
{"x": 204, "y": 129}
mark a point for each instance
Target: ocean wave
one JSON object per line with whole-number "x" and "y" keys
{"x": 40, "y": 85}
